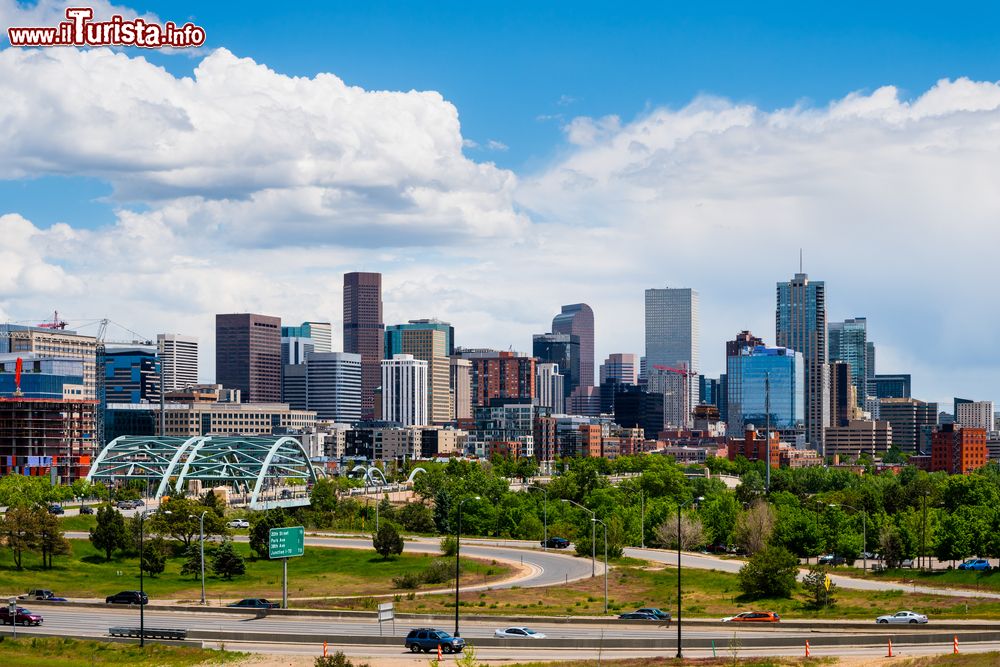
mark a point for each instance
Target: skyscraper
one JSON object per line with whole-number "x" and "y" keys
{"x": 500, "y": 374}
{"x": 429, "y": 340}
{"x": 178, "y": 360}
{"x": 248, "y": 355}
{"x": 672, "y": 334}
{"x": 561, "y": 349}
{"x": 578, "y": 320}
{"x": 333, "y": 385}
{"x": 364, "y": 331}
{"x": 461, "y": 387}
{"x": 132, "y": 374}
{"x": 764, "y": 381}
{"x": 800, "y": 325}
{"x": 623, "y": 368}
{"x": 404, "y": 390}
{"x": 848, "y": 342}
{"x": 549, "y": 390}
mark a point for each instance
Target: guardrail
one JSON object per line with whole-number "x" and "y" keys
{"x": 149, "y": 633}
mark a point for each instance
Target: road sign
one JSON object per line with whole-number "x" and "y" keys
{"x": 286, "y": 542}
{"x": 385, "y": 612}
{"x": 826, "y": 582}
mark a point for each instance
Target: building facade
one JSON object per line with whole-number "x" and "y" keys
{"x": 461, "y": 387}
{"x": 178, "y": 360}
{"x": 364, "y": 331}
{"x": 404, "y": 390}
{"x": 549, "y": 391}
{"x": 622, "y": 367}
{"x": 892, "y": 386}
{"x": 577, "y": 319}
{"x": 430, "y": 341}
{"x": 850, "y": 440}
{"x": 848, "y": 342}
{"x": 500, "y": 375}
{"x": 562, "y": 350}
{"x": 53, "y": 343}
{"x": 764, "y": 381}
{"x": 131, "y": 374}
{"x": 911, "y": 421}
{"x": 333, "y": 386}
{"x": 248, "y": 355}
{"x": 976, "y": 414}
{"x": 672, "y": 334}
{"x": 958, "y": 450}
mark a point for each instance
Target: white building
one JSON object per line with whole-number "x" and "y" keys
{"x": 549, "y": 384}
{"x": 178, "y": 360}
{"x": 333, "y": 385}
{"x": 977, "y": 414}
{"x": 404, "y": 390}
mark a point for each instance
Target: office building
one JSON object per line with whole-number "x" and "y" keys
{"x": 500, "y": 374}
{"x": 248, "y": 355}
{"x": 319, "y": 335}
{"x": 976, "y": 414}
{"x": 855, "y": 437}
{"x": 53, "y": 343}
{"x": 505, "y": 427}
{"x": 912, "y": 421}
{"x": 764, "y": 381}
{"x": 461, "y": 387}
{"x": 364, "y": 331}
{"x": 708, "y": 389}
{"x": 958, "y": 450}
{"x": 333, "y": 386}
{"x": 800, "y": 325}
{"x": 250, "y": 419}
{"x": 585, "y": 401}
{"x": 178, "y": 360}
{"x": 578, "y": 320}
{"x": 675, "y": 389}
{"x": 870, "y": 370}
{"x": 294, "y": 386}
{"x": 637, "y": 408}
{"x": 621, "y": 367}
{"x": 843, "y": 402}
{"x": 892, "y": 386}
{"x": 672, "y": 335}
{"x": 131, "y": 374}
{"x": 430, "y": 341}
{"x": 404, "y": 390}
{"x": 848, "y": 342}
{"x": 549, "y": 391}
{"x": 563, "y": 350}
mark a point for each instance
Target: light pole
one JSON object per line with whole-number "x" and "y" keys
{"x": 593, "y": 536}
{"x": 201, "y": 534}
{"x": 864, "y": 534}
{"x": 458, "y": 541}
{"x": 681, "y": 506}
{"x": 605, "y": 526}
{"x": 545, "y": 516}
{"x": 642, "y": 519}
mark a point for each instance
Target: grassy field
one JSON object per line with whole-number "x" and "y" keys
{"x": 65, "y": 652}
{"x": 320, "y": 572}
{"x": 961, "y": 660}
{"x": 710, "y": 594}
{"x": 972, "y": 580}
{"x": 80, "y": 522}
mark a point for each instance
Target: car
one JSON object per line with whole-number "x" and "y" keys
{"x": 125, "y": 505}
{"x": 428, "y": 639}
{"x": 980, "y": 564}
{"x": 86, "y": 509}
{"x": 56, "y": 509}
{"x": 255, "y": 603}
{"x": 22, "y": 617}
{"x": 285, "y": 494}
{"x": 753, "y": 617}
{"x": 653, "y": 611}
{"x": 127, "y": 597}
{"x": 40, "y": 594}
{"x": 555, "y": 543}
{"x": 519, "y": 632}
{"x": 902, "y": 617}
{"x": 238, "y": 523}
{"x": 832, "y": 559}
{"x": 906, "y": 562}
{"x": 636, "y": 616}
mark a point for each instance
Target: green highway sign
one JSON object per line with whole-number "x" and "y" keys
{"x": 286, "y": 542}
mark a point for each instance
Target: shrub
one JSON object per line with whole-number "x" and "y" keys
{"x": 387, "y": 541}
{"x": 769, "y": 573}
{"x": 408, "y": 580}
{"x": 448, "y": 546}
{"x": 439, "y": 572}
{"x": 338, "y": 659}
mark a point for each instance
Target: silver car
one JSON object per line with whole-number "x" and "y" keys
{"x": 519, "y": 633}
{"x": 902, "y": 617}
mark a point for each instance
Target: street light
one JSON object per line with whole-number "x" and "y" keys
{"x": 201, "y": 533}
{"x": 458, "y": 541}
{"x": 681, "y": 506}
{"x": 545, "y": 515}
{"x": 605, "y": 526}
{"x": 864, "y": 533}
{"x": 593, "y": 536}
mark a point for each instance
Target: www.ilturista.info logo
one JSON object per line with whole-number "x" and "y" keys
{"x": 80, "y": 30}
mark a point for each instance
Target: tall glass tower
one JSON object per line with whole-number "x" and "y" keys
{"x": 848, "y": 342}
{"x": 672, "y": 334}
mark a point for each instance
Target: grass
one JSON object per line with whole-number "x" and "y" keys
{"x": 320, "y": 572}
{"x": 960, "y": 660}
{"x": 694, "y": 662}
{"x": 65, "y": 652}
{"x": 707, "y": 594}
{"x": 968, "y": 579}
{"x": 80, "y": 522}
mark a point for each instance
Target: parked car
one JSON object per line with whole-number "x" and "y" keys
{"x": 832, "y": 559}
{"x": 86, "y": 509}
{"x": 428, "y": 639}
{"x": 239, "y": 523}
{"x": 285, "y": 494}
{"x": 22, "y": 617}
{"x": 40, "y": 594}
{"x": 637, "y": 616}
{"x": 902, "y": 617}
{"x": 753, "y": 617}
{"x": 56, "y": 509}
{"x": 127, "y": 597}
{"x": 906, "y": 562}
{"x": 519, "y": 632}
{"x": 125, "y": 505}
{"x": 980, "y": 564}
{"x": 653, "y": 611}
{"x": 255, "y": 603}
{"x": 555, "y": 543}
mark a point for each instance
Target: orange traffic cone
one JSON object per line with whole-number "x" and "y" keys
{"x": 807, "y": 648}
{"x": 954, "y": 644}
{"x": 324, "y": 649}
{"x": 439, "y": 652}
{"x": 890, "y": 649}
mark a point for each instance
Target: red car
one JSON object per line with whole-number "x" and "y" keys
{"x": 753, "y": 617}
{"x": 22, "y": 617}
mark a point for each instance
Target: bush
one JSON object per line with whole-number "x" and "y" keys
{"x": 448, "y": 546}
{"x": 814, "y": 584}
{"x": 387, "y": 541}
{"x": 769, "y": 573}
{"x": 408, "y": 580}
{"x": 338, "y": 659}
{"x": 438, "y": 572}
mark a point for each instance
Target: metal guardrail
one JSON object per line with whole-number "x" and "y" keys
{"x": 148, "y": 633}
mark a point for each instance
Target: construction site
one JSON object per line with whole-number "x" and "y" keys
{"x": 47, "y": 437}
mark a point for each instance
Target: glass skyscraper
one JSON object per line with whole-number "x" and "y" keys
{"x": 672, "y": 334}
{"x": 753, "y": 372}
{"x": 848, "y": 342}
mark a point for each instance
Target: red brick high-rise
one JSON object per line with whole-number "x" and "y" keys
{"x": 500, "y": 374}
{"x": 957, "y": 450}
{"x": 364, "y": 331}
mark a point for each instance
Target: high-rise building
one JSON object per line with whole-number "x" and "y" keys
{"x": 676, "y": 391}
{"x": 843, "y": 403}
{"x": 333, "y": 386}
{"x": 892, "y": 386}
{"x": 672, "y": 334}
{"x": 178, "y": 360}
{"x": 294, "y": 386}
{"x": 911, "y": 421}
{"x": 800, "y": 325}
{"x": 549, "y": 391}
{"x": 976, "y": 414}
{"x": 131, "y": 374}
{"x": 637, "y": 408}
{"x": 364, "y": 331}
{"x": 404, "y": 390}
{"x": 958, "y": 450}
{"x": 428, "y": 340}
{"x": 764, "y": 381}
{"x": 248, "y": 355}
{"x": 869, "y": 370}
{"x": 500, "y": 374}
{"x": 461, "y": 387}
{"x": 55, "y": 344}
{"x": 856, "y": 437}
{"x": 563, "y": 350}
{"x": 708, "y": 389}
{"x": 621, "y": 367}
{"x": 848, "y": 342}
{"x": 578, "y": 320}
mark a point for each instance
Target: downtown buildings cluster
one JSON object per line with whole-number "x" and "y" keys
{"x": 408, "y": 391}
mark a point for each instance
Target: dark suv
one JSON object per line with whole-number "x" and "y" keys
{"x": 556, "y": 543}
{"x": 127, "y": 597}
{"x": 428, "y": 639}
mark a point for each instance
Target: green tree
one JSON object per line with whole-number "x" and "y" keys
{"x": 449, "y": 545}
{"x": 22, "y": 490}
{"x": 769, "y": 573}
{"x": 211, "y": 500}
{"x": 109, "y": 533}
{"x": 417, "y": 518}
{"x": 227, "y": 562}
{"x": 814, "y": 584}
{"x": 180, "y": 520}
{"x": 323, "y": 497}
{"x": 718, "y": 515}
{"x": 261, "y": 524}
{"x": 192, "y": 561}
{"x": 50, "y": 539}
{"x": 387, "y": 541}
{"x": 154, "y": 556}
{"x": 19, "y": 531}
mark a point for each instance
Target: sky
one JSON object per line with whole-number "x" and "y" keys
{"x": 497, "y": 160}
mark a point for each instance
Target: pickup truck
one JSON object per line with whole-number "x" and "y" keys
{"x": 40, "y": 594}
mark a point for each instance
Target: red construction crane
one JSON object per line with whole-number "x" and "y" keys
{"x": 679, "y": 371}
{"x": 56, "y": 323}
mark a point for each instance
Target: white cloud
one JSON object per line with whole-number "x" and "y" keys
{"x": 495, "y": 145}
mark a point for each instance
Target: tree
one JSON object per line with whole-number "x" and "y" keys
{"x": 692, "y": 533}
{"x": 769, "y": 573}
{"x": 814, "y": 584}
{"x": 20, "y": 531}
{"x": 754, "y": 527}
{"x": 387, "y": 541}
{"x": 192, "y": 561}
{"x": 154, "y": 556}
{"x": 417, "y": 518}
{"x": 449, "y": 545}
{"x": 227, "y": 562}
{"x": 210, "y": 500}
{"x": 50, "y": 538}
{"x": 109, "y": 533}
{"x": 323, "y": 497}
{"x": 180, "y": 520}
{"x": 891, "y": 545}
{"x": 261, "y": 524}
{"x": 719, "y": 514}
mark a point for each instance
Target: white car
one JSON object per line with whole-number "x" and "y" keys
{"x": 902, "y": 617}
{"x": 239, "y": 523}
{"x": 519, "y": 633}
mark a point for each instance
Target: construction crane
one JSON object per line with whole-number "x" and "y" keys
{"x": 56, "y": 323}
